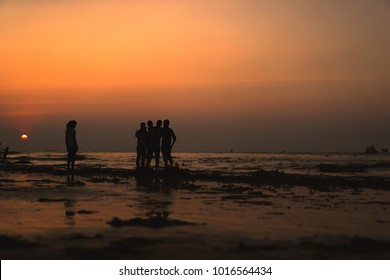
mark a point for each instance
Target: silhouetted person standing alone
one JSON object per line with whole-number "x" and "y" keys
{"x": 167, "y": 142}
{"x": 142, "y": 143}
{"x": 71, "y": 143}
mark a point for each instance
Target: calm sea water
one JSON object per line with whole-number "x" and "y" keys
{"x": 370, "y": 164}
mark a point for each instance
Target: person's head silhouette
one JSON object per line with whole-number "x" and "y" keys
{"x": 142, "y": 125}
{"x": 166, "y": 123}
{"x": 150, "y": 124}
{"x": 71, "y": 124}
{"x": 159, "y": 123}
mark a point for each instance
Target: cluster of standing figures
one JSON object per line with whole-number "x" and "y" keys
{"x": 152, "y": 140}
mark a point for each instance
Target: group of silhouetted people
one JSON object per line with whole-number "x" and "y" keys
{"x": 152, "y": 140}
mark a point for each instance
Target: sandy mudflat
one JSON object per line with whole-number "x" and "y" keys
{"x": 45, "y": 216}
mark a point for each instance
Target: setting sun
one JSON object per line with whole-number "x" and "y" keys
{"x": 24, "y": 137}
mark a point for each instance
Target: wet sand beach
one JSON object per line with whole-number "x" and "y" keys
{"x": 118, "y": 214}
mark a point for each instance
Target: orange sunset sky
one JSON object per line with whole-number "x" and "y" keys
{"x": 248, "y": 75}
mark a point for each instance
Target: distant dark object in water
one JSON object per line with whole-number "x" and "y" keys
{"x": 384, "y": 150}
{"x": 153, "y": 222}
{"x": 371, "y": 150}
{"x": 86, "y": 212}
{"x": 65, "y": 200}
{"x": 70, "y": 213}
{"x": 334, "y": 168}
{"x": 23, "y": 162}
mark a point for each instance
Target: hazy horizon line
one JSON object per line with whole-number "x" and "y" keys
{"x": 199, "y": 84}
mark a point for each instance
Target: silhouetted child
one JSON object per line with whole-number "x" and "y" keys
{"x": 71, "y": 143}
{"x": 142, "y": 143}
{"x": 168, "y": 140}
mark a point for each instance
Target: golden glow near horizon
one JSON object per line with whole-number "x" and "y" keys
{"x": 127, "y": 59}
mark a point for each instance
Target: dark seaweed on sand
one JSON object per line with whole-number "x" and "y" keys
{"x": 174, "y": 175}
{"x": 14, "y": 242}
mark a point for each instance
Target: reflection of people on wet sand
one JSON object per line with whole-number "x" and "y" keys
{"x": 71, "y": 143}
{"x": 70, "y": 212}
{"x": 70, "y": 179}
{"x": 154, "y": 135}
{"x": 142, "y": 142}
{"x": 167, "y": 142}
{"x": 154, "y": 200}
